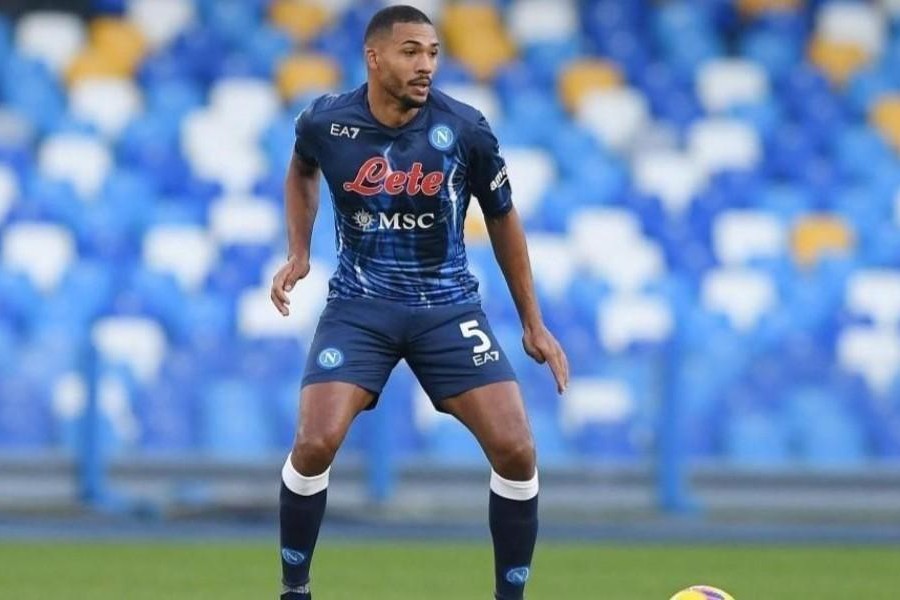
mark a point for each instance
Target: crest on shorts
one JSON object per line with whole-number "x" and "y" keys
{"x": 331, "y": 358}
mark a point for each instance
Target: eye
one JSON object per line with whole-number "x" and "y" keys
{"x": 409, "y": 52}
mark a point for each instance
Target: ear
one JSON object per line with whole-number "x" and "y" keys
{"x": 371, "y": 58}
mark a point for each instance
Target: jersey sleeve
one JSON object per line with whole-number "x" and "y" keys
{"x": 487, "y": 171}
{"x": 305, "y": 141}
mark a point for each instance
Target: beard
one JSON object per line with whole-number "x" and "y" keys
{"x": 408, "y": 102}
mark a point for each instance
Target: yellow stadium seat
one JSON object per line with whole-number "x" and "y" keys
{"x": 475, "y": 228}
{"x": 302, "y": 20}
{"x": 837, "y": 60}
{"x": 816, "y": 236}
{"x": 753, "y": 8}
{"x": 306, "y": 73}
{"x": 120, "y": 40}
{"x": 471, "y": 16}
{"x": 475, "y": 36}
{"x": 91, "y": 63}
{"x": 885, "y": 116}
{"x": 581, "y": 77}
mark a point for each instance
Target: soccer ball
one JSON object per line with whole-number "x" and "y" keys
{"x": 702, "y": 592}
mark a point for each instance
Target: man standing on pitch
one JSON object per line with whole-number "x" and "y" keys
{"x": 402, "y": 160}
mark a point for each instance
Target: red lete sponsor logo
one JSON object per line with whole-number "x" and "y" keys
{"x": 375, "y": 176}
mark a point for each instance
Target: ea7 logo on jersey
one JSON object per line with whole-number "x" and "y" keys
{"x": 499, "y": 179}
{"x": 339, "y": 130}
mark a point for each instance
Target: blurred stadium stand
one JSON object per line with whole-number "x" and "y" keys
{"x": 711, "y": 190}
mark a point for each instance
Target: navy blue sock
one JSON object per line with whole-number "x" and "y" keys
{"x": 301, "y": 517}
{"x": 514, "y": 525}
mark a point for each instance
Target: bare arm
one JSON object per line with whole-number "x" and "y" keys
{"x": 301, "y": 203}
{"x": 508, "y": 241}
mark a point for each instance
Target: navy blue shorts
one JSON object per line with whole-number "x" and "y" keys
{"x": 451, "y": 349}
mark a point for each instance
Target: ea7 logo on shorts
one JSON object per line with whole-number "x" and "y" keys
{"x": 338, "y": 130}
{"x": 481, "y": 359}
{"x": 330, "y": 358}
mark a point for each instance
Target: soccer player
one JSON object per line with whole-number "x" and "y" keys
{"x": 402, "y": 160}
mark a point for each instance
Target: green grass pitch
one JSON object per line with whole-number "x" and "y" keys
{"x": 219, "y": 570}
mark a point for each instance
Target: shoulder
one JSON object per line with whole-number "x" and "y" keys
{"x": 466, "y": 114}
{"x": 327, "y": 104}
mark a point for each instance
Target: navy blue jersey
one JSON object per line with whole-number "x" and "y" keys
{"x": 400, "y": 194}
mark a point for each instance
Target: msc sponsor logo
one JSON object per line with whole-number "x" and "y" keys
{"x": 338, "y": 130}
{"x": 393, "y": 221}
{"x": 518, "y": 575}
{"x": 292, "y": 557}
{"x": 441, "y": 137}
{"x": 330, "y": 358}
{"x": 499, "y": 179}
{"x": 375, "y": 176}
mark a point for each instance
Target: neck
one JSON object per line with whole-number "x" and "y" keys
{"x": 387, "y": 110}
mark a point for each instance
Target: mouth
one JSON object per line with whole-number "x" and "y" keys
{"x": 421, "y": 85}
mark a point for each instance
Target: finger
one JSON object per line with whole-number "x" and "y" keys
{"x": 558, "y": 370}
{"x": 276, "y": 301}
{"x": 565, "y": 363}
{"x": 535, "y": 353}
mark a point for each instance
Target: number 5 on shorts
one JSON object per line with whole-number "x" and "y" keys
{"x": 470, "y": 329}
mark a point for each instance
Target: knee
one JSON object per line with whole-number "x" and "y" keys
{"x": 514, "y": 458}
{"x": 313, "y": 452}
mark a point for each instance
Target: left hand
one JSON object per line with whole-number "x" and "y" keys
{"x": 540, "y": 345}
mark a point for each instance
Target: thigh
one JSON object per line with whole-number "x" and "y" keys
{"x": 495, "y": 414}
{"x": 353, "y": 344}
{"x": 453, "y": 350}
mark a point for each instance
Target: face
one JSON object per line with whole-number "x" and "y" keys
{"x": 404, "y": 61}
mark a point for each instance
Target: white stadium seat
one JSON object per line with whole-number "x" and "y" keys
{"x": 595, "y": 400}
{"x": 742, "y": 295}
{"x": 161, "y": 20}
{"x": 51, "y": 37}
{"x": 42, "y": 251}
{"x": 615, "y": 117}
{"x": 69, "y": 401}
{"x": 16, "y": 130}
{"x": 247, "y": 105}
{"x": 551, "y": 260}
{"x": 82, "y": 160}
{"x": 740, "y": 236}
{"x": 9, "y": 190}
{"x": 137, "y": 342}
{"x": 674, "y": 177}
{"x": 258, "y": 317}
{"x": 626, "y": 318}
{"x": 875, "y": 293}
{"x": 217, "y": 148}
{"x": 108, "y": 103}
{"x": 536, "y": 21}
{"x": 727, "y": 82}
{"x": 718, "y": 144}
{"x": 247, "y": 220}
{"x": 531, "y": 170}
{"x": 609, "y": 243}
{"x": 858, "y": 23}
{"x": 480, "y": 96}
{"x": 872, "y": 353}
{"x": 186, "y": 251}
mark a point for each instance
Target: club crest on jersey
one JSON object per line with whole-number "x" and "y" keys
{"x": 375, "y": 177}
{"x": 441, "y": 137}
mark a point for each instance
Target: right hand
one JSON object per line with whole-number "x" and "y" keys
{"x": 293, "y": 270}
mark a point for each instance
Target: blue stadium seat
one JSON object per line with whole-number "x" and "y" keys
{"x": 756, "y": 439}
{"x": 232, "y": 421}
